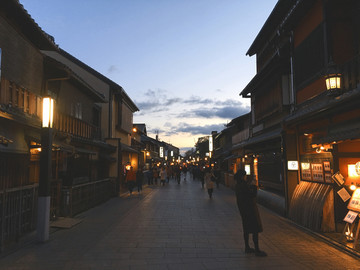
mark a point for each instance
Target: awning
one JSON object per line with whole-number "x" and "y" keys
{"x": 85, "y": 151}
{"x": 232, "y": 157}
{"x": 270, "y": 135}
{"x": 346, "y": 132}
{"x": 127, "y": 148}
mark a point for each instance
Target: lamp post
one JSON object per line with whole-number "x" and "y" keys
{"x": 43, "y": 218}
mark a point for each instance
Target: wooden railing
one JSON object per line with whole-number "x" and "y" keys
{"x": 351, "y": 73}
{"x": 76, "y": 199}
{"x": 18, "y": 208}
{"x": 68, "y": 124}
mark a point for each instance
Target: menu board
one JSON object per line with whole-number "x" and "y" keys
{"x": 354, "y": 203}
{"x": 305, "y": 171}
{"x": 317, "y": 172}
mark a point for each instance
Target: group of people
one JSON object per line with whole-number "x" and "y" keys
{"x": 245, "y": 190}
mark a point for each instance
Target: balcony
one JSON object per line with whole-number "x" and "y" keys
{"x": 77, "y": 127}
{"x": 351, "y": 73}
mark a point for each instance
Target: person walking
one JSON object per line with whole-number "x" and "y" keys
{"x": 162, "y": 176}
{"x": 130, "y": 179}
{"x": 208, "y": 181}
{"x": 139, "y": 179}
{"x": 246, "y": 200}
{"x": 202, "y": 176}
{"x": 155, "y": 174}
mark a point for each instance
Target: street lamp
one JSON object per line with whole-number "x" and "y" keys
{"x": 43, "y": 218}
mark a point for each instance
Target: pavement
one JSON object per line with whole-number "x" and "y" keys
{"x": 176, "y": 227}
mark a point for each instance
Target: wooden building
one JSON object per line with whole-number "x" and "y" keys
{"x": 303, "y": 134}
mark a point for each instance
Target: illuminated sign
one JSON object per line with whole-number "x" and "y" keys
{"x": 211, "y": 146}
{"x": 293, "y": 165}
{"x": 172, "y": 153}
{"x": 161, "y": 152}
{"x": 247, "y": 169}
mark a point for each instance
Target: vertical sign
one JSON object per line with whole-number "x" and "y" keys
{"x": 161, "y": 152}
{"x": 211, "y": 147}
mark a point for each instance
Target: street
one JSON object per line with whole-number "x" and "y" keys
{"x": 176, "y": 227}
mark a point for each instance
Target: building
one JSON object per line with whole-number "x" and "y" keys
{"x": 116, "y": 120}
{"x": 304, "y": 131}
{"x": 91, "y": 130}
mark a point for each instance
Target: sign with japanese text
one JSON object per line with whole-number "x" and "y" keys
{"x": 354, "y": 203}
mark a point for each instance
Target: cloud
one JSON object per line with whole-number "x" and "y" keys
{"x": 156, "y": 101}
{"x": 195, "y": 130}
{"x": 226, "y": 112}
{"x": 112, "y": 69}
{"x": 195, "y": 100}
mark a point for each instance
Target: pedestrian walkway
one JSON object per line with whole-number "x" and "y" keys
{"x": 176, "y": 227}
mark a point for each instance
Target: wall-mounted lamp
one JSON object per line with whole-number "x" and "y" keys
{"x": 333, "y": 79}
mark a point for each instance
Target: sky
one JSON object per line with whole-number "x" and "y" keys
{"x": 183, "y": 62}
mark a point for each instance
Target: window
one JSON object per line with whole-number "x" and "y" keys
{"x": 309, "y": 57}
{"x": 76, "y": 110}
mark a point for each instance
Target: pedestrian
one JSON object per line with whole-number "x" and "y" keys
{"x": 208, "y": 181}
{"x": 139, "y": 179}
{"x": 201, "y": 176}
{"x": 216, "y": 173}
{"x": 246, "y": 200}
{"x": 162, "y": 176}
{"x": 130, "y": 179}
{"x": 177, "y": 174}
{"x": 149, "y": 176}
{"x": 155, "y": 174}
{"x": 168, "y": 173}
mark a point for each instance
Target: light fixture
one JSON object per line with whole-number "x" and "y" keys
{"x": 128, "y": 166}
{"x": 48, "y": 112}
{"x": 352, "y": 186}
{"x": 333, "y": 78}
{"x": 333, "y": 81}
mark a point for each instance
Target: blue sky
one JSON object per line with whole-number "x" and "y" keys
{"x": 183, "y": 62}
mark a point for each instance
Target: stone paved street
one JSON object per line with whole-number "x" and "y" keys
{"x": 176, "y": 227}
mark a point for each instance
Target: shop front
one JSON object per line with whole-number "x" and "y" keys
{"x": 324, "y": 194}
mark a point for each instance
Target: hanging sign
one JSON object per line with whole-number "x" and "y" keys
{"x": 354, "y": 203}
{"x": 350, "y": 217}
{"x": 344, "y": 194}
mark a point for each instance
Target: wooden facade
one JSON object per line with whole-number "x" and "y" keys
{"x": 295, "y": 118}
{"x": 81, "y": 157}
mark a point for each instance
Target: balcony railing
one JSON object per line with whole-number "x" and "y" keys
{"x": 351, "y": 73}
{"x": 68, "y": 124}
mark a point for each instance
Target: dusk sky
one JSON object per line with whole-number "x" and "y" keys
{"x": 183, "y": 62}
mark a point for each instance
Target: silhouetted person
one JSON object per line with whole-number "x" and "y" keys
{"x": 131, "y": 179}
{"x": 139, "y": 179}
{"x": 246, "y": 201}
